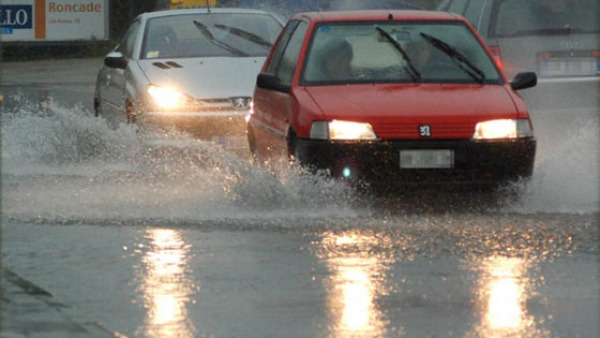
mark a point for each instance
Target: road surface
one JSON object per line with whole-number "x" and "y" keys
{"x": 124, "y": 233}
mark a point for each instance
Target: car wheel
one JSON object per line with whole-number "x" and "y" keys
{"x": 130, "y": 112}
{"x": 252, "y": 143}
{"x": 293, "y": 151}
{"x": 97, "y": 107}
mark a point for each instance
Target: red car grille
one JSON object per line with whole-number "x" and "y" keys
{"x": 411, "y": 130}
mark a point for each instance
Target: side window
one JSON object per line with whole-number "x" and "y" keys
{"x": 473, "y": 13}
{"x": 283, "y": 42}
{"x": 128, "y": 42}
{"x": 485, "y": 19}
{"x": 289, "y": 60}
{"x": 457, "y": 6}
{"x": 444, "y": 6}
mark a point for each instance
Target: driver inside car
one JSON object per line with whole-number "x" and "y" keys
{"x": 337, "y": 59}
{"x": 162, "y": 42}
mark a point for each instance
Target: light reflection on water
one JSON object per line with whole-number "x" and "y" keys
{"x": 506, "y": 295}
{"x": 360, "y": 282}
{"x": 504, "y": 287}
{"x": 166, "y": 287}
{"x": 357, "y": 280}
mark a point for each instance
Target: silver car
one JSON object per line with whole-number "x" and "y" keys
{"x": 559, "y": 38}
{"x": 192, "y": 69}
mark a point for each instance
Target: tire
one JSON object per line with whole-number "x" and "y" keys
{"x": 97, "y": 110}
{"x": 293, "y": 151}
{"x": 252, "y": 143}
{"x": 130, "y": 113}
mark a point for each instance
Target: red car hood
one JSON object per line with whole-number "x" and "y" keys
{"x": 397, "y": 110}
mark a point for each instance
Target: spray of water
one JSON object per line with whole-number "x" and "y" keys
{"x": 38, "y": 138}
{"x": 567, "y": 179}
{"x": 62, "y": 164}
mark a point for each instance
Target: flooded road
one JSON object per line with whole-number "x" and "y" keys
{"x": 461, "y": 276}
{"x": 159, "y": 234}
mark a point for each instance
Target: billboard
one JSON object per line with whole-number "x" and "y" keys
{"x": 181, "y": 4}
{"x": 53, "y": 20}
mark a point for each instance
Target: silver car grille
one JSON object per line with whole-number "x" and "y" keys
{"x": 221, "y": 104}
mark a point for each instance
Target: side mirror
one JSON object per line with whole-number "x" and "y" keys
{"x": 271, "y": 82}
{"x": 524, "y": 80}
{"x": 115, "y": 60}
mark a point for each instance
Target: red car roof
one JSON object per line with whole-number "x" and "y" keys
{"x": 375, "y": 15}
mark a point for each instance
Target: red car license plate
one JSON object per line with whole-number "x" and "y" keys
{"x": 426, "y": 159}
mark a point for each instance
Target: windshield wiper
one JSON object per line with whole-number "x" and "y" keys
{"x": 460, "y": 59}
{"x": 408, "y": 66}
{"x": 206, "y": 32}
{"x": 245, "y": 35}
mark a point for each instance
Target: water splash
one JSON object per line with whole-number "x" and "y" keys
{"x": 62, "y": 164}
{"x": 38, "y": 138}
{"x": 567, "y": 179}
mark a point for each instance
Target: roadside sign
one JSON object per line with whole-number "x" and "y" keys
{"x": 180, "y": 4}
{"x": 53, "y": 20}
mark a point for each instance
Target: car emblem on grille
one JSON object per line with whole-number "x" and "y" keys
{"x": 425, "y": 130}
{"x": 240, "y": 103}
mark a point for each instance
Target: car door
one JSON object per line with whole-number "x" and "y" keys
{"x": 274, "y": 108}
{"x": 113, "y": 97}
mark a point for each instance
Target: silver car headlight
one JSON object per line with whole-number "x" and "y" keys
{"x": 342, "y": 130}
{"x": 502, "y": 129}
{"x": 166, "y": 97}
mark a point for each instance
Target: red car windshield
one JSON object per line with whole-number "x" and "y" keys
{"x": 392, "y": 52}
{"x": 545, "y": 17}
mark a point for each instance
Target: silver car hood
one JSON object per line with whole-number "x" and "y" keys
{"x": 204, "y": 78}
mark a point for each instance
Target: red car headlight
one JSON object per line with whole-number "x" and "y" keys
{"x": 342, "y": 130}
{"x": 502, "y": 129}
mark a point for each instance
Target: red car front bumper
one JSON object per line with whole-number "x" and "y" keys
{"x": 378, "y": 163}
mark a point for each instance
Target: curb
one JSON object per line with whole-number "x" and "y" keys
{"x": 30, "y": 311}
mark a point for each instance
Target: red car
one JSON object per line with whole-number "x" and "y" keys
{"x": 391, "y": 98}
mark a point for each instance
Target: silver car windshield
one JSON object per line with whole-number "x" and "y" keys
{"x": 209, "y": 35}
{"x": 543, "y": 17}
{"x": 380, "y": 52}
